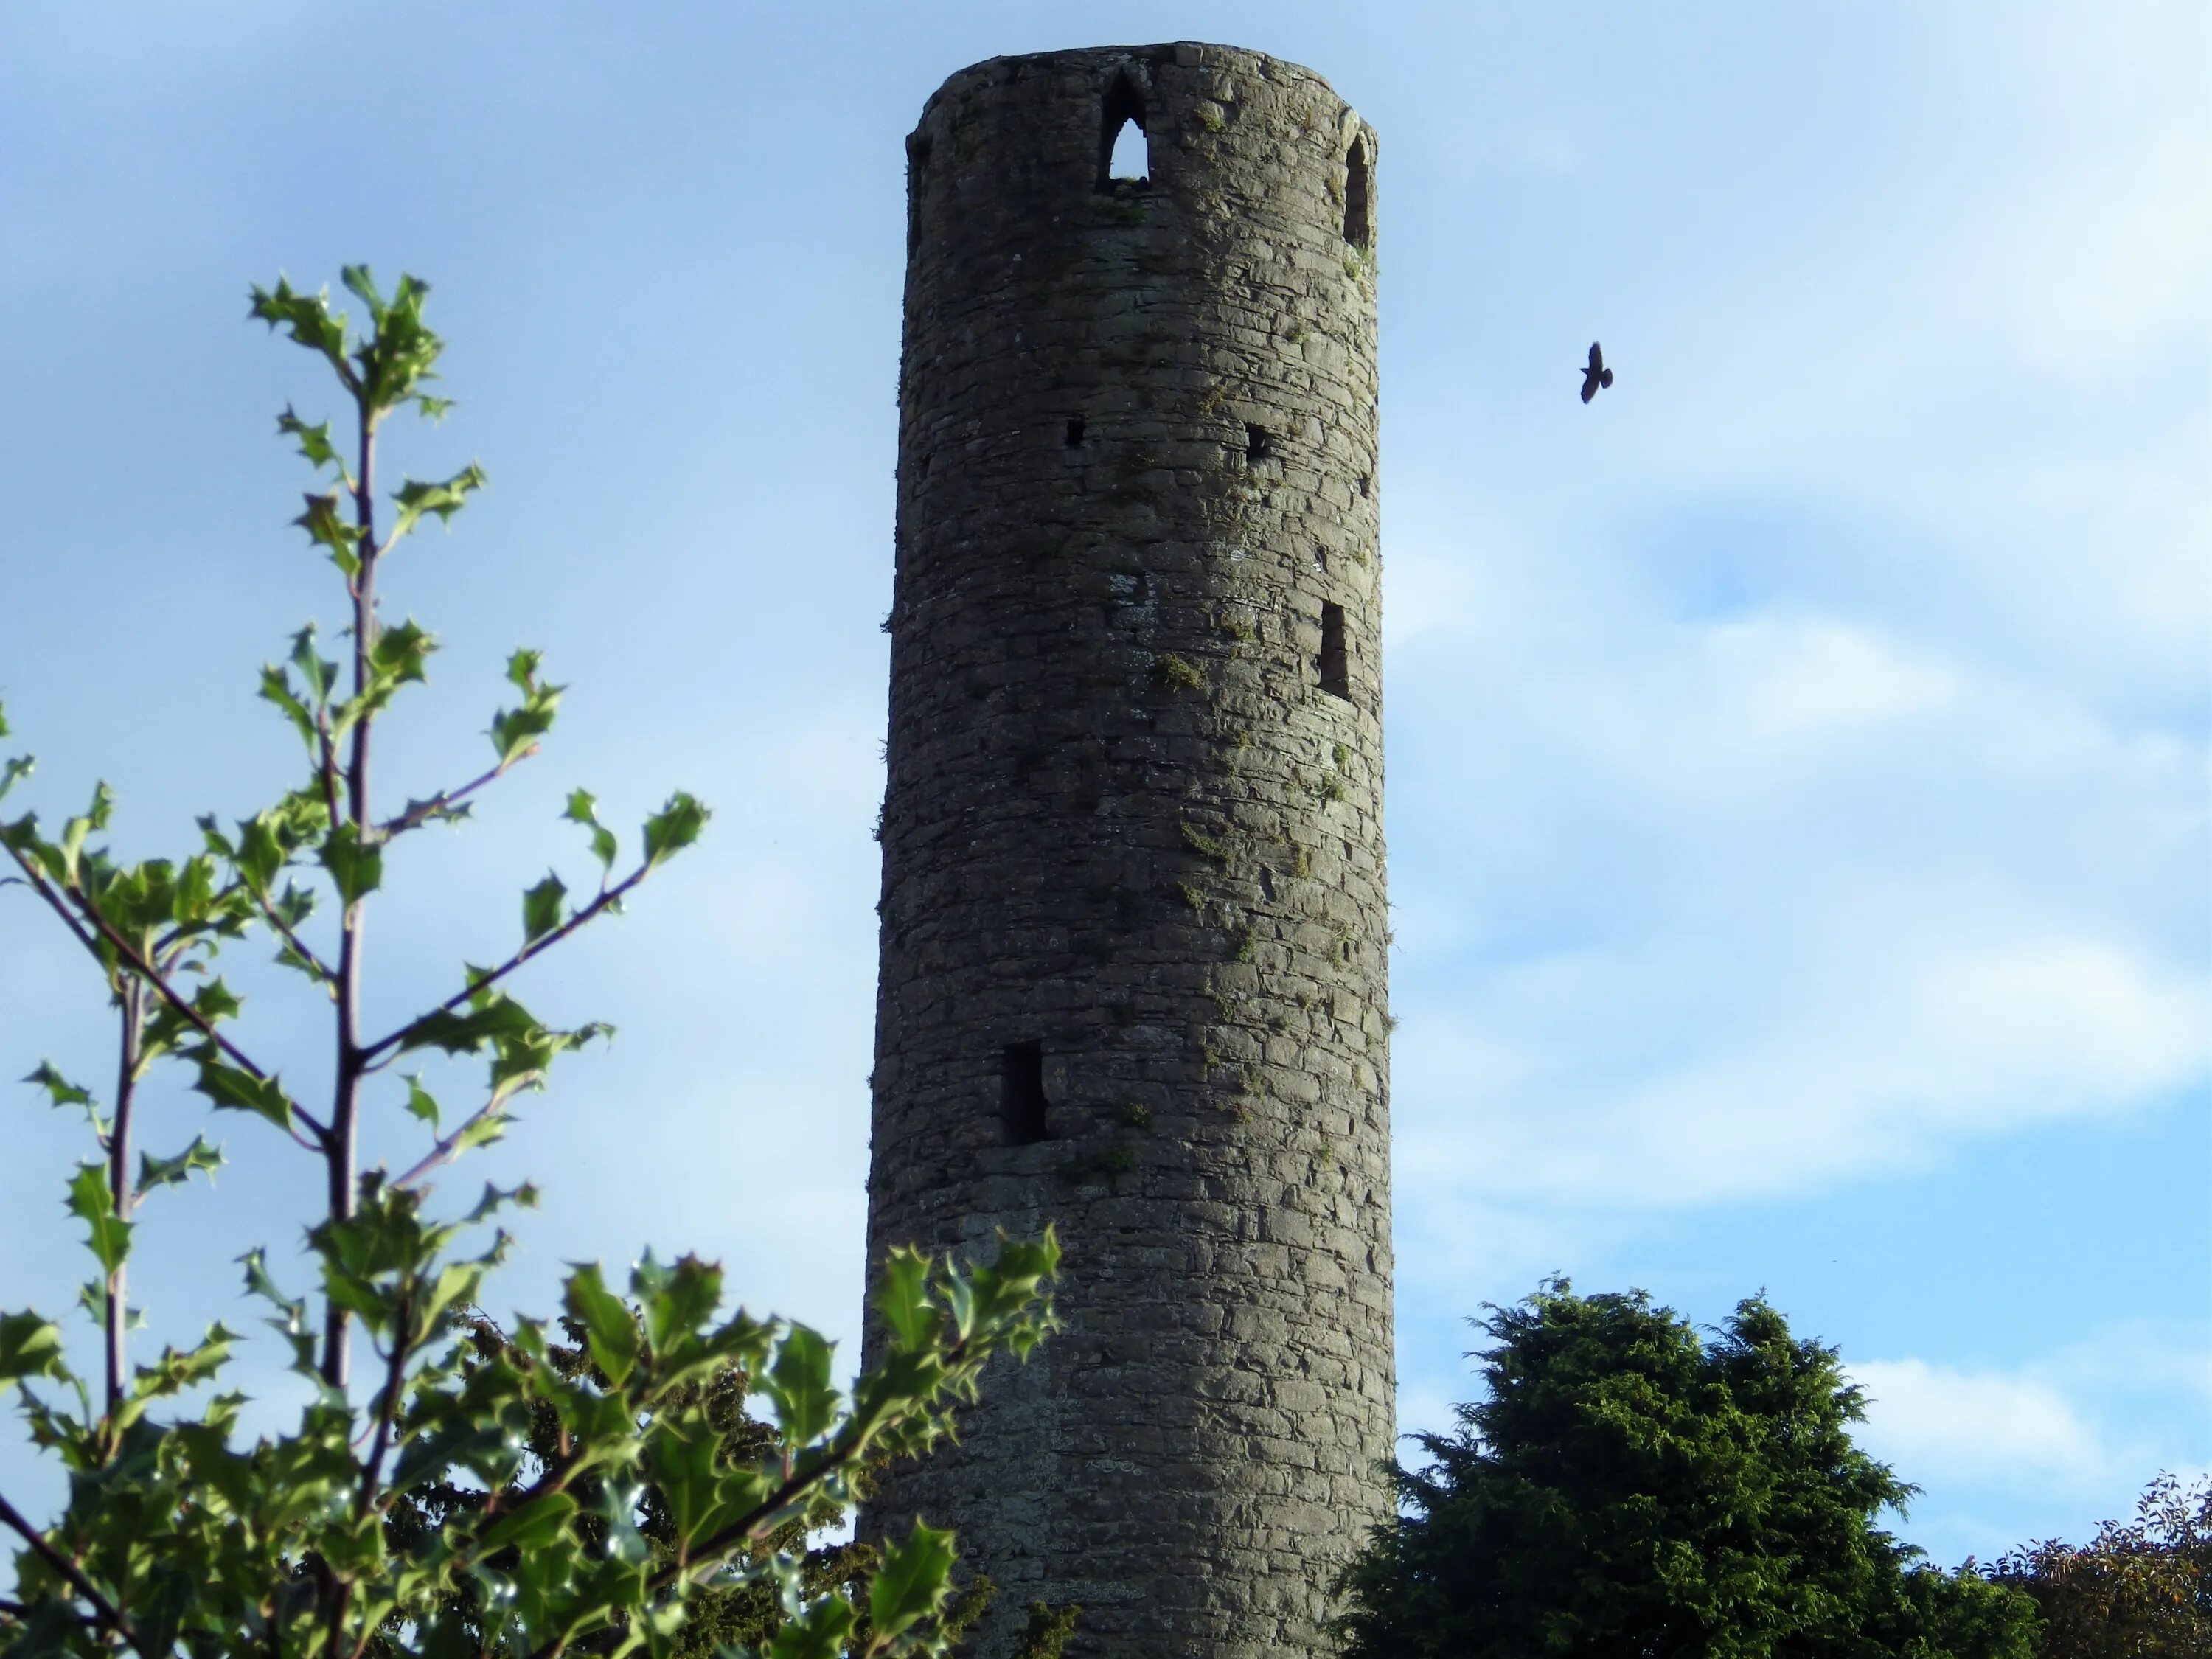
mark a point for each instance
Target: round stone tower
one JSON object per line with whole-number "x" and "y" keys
{"x": 1134, "y": 923}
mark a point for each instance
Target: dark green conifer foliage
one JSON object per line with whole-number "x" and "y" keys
{"x": 1627, "y": 1488}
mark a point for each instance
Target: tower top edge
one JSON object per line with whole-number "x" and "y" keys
{"x": 1183, "y": 54}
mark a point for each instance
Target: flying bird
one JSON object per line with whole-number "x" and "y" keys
{"x": 1596, "y": 374}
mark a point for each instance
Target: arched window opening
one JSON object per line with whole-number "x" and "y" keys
{"x": 1124, "y": 153}
{"x": 1359, "y": 195}
{"x": 1021, "y": 1098}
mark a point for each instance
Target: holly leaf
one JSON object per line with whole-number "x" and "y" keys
{"x": 309, "y": 318}
{"x": 357, "y": 869}
{"x": 29, "y": 1347}
{"x": 609, "y": 1331}
{"x": 232, "y": 1089}
{"x": 442, "y": 499}
{"x": 420, "y": 1101}
{"x": 199, "y": 1157}
{"x": 541, "y": 908}
{"x": 515, "y": 731}
{"x": 60, "y": 1091}
{"x": 673, "y": 828}
{"x": 107, "y": 1234}
{"x": 798, "y": 1385}
{"x": 582, "y": 809}
{"x": 315, "y": 445}
{"x": 912, "y": 1582}
{"x": 324, "y": 519}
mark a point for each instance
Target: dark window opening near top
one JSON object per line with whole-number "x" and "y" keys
{"x": 1075, "y": 432}
{"x": 1021, "y": 1099}
{"x": 1259, "y": 443}
{"x": 1336, "y": 659}
{"x": 917, "y": 163}
{"x": 1124, "y": 154}
{"x": 1358, "y": 195}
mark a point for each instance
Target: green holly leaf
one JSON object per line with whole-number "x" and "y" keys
{"x": 276, "y": 688}
{"x": 582, "y": 809}
{"x": 319, "y": 674}
{"x": 798, "y": 1385}
{"x": 609, "y": 1331}
{"x": 420, "y": 1102}
{"x": 537, "y": 1525}
{"x": 324, "y": 519}
{"x": 315, "y": 445}
{"x": 232, "y": 1089}
{"x": 912, "y": 1582}
{"x": 492, "y": 1016}
{"x": 357, "y": 869}
{"x": 199, "y": 1157}
{"x": 673, "y": 828}
{"x": 515, "y": 731}
{"x": 60, "y": 1091}
{"x": 541, "y": 908}
{"x": 29, "y": 1347}
{"x": 17, "y": 766}
{"x": 903, "y": 1297}
{"x": 442, "y": 499}
{"x": 676, "y": 1300}
{"x": 309, "y": 320}
{"x": 108, "y": 1235}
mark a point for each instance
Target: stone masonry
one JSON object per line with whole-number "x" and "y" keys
{"x": 1134, "y": 925}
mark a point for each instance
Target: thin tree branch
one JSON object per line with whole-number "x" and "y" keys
{"x": 67, "y": 1570}
{"x": 422, "y": 811}
{"x": 155, "y": 980}
{"x": 388, "y": 1411}
{"x": 37, "y": 880}
{"x": 448, "y": 1144}
{"x": 339, "y": 1153}
{"x": 119, "y": 1184}
{"x": 607, "y": 899}
{"x": 298, "y": 945}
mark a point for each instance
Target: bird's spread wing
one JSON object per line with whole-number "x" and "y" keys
{"x": 1597, "y": 359}
{"x": 1590, "y": 387}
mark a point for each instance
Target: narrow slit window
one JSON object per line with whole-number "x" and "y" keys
{"x": 1125, "y": 159}
{"x": 1021, "y": 1100}
{"x": 1358, "y": 195}
{"x": 1259, "y": 443}
{"x": 1335, "y": 659}
{"x": 917, "y": 164}
{"x": 1075, "y": 432}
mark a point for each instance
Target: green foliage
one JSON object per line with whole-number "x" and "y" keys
{"x": 477, "y": 1491}
{"x": 1626, "y": 1487}
{"x": 2139, "y": 1589}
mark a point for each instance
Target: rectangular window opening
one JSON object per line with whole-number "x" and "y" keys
{"x": 1021, "y": 1099}
{"x": 1075, "y": 432}
{"x": 1259, "y": 443}
{"x": 1335, "y": 658}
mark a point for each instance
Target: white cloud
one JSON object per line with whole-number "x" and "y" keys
{"x": 1941, "y": 1423}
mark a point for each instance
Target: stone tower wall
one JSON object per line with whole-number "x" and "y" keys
{"x": 1133, "y": 920}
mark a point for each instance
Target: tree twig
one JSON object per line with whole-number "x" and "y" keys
{"x": 67, "y": 1571}
{"x": 606, "y": 900}
{"x": 423, "y": 811}
{"x": 155, "y": 980}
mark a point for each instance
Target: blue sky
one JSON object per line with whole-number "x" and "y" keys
{"x": 1798, "y": 758}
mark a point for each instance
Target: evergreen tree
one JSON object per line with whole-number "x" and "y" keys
{"x": 1627, "y": 1488}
